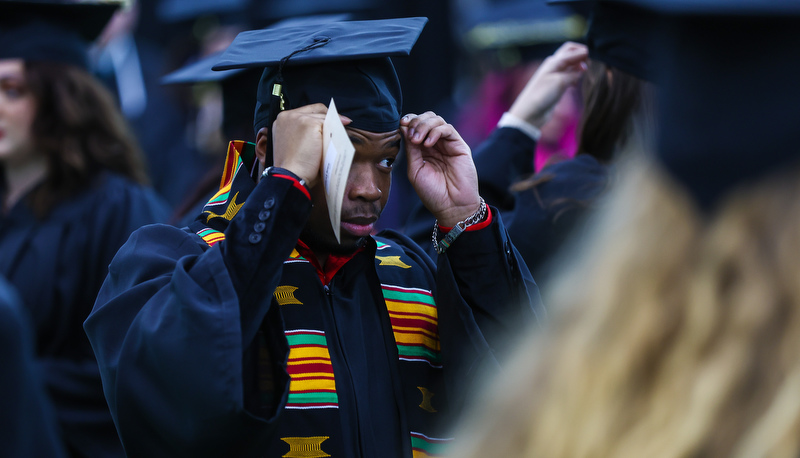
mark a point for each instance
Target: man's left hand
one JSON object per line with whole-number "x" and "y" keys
{"x": 440, "y": 167}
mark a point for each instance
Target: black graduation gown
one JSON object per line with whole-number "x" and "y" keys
{"x": 193, "y": 327}
{"x": 58, "y": 264}
{"x": 29, "y": 427}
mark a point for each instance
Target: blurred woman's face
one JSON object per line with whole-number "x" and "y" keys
{"x": 17, "y": 110}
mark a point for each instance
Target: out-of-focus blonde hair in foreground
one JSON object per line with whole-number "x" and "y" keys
{"x": 674, "y": 333}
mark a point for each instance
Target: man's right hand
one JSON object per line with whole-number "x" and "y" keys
{"x": 297, "y": 141}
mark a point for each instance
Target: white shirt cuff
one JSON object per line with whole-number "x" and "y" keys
{"x": 509, "y": 120}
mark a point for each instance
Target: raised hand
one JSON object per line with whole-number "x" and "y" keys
{"x": 297, "y": 141}
{"x": 543, "y": 91}
{"x": 440, "y": 167}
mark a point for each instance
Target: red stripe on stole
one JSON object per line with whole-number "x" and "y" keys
{"x": 311, "y": 404}
{"x": 312, "y": 391}
{"x": 231, "y": 161}
{"x": 299, "y": 369}
{"x": 414, "y": 323}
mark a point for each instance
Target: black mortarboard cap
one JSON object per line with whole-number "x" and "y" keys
{"x": 51, "y": 31}
{"x": 729, "y": 97}
{"x": 619, "y": 35}
{"x": 530, "y": 27}
{"x": 346, "y": 61}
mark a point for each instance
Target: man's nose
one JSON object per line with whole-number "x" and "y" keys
{"x": 363, "y": 184}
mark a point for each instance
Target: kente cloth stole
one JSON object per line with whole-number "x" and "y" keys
{"x": 313, "y": 402}
{"x": 238, "y": 180}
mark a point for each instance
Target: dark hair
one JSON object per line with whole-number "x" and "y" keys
{"x": 80, "y": 130}
{"x": 611, "y": 97}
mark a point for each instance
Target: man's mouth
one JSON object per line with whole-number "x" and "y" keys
{"x": 359, "y": 226}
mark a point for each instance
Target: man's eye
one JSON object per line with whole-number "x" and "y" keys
{"x": 387, "y": 162}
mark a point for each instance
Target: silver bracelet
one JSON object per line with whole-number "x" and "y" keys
{"x": 461, "y": 226}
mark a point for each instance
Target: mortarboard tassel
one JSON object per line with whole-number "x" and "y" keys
{"x": 277, "y": 102}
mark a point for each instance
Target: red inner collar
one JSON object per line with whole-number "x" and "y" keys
{"x": 334, "y": 263}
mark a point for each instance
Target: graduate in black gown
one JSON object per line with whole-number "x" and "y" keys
{"x": 255, "y": 332}
{"x": 71, "y": 195}
{"x": 545, "y": 209}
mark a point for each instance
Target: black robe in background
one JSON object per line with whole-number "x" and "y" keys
{"x": 57, "y": 265}
{"x": 28, "y": 420}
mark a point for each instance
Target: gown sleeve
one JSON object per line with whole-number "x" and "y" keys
{"x": 486, "y": 298}
{"x": 175, "y": 324}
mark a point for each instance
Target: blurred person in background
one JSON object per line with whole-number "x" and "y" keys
{"x": 129, "y": 63}
{"x": 29, "y": 422}
{"x": 504, "y": 43}
{"x": 545, "y": 209}
{"x": 72, "y": 192}
{"x": 676, "y": 328}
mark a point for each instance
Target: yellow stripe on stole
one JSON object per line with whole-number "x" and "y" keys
{"x": 309, "y": 352}
{"x": 416, "y": 339}
{"x": 408, "y": 307}
{"x": 428, "y": 333}
{"x": 312, "y": 385}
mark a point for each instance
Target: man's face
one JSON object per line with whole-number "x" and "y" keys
{"x": 365, "y": 195}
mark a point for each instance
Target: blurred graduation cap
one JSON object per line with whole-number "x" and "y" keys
{"x": 729, "y": 98}
{"x": 200, "y": 70}
{"x": 187, "y": 10}
{"x": 521, "y": 30}
{"x": 282, "y": 9}
{"x": 347, "y": 61}
{"x": 618, "y": 34}
{"x": 52, "y": 31}
{"x": 239, "y": 85}
{"x": 238, "y": 89}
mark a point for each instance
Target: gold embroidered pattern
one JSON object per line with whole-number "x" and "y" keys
{"x": 285, "y": 295}
{"x": 305, "y": 447}
{"x": 233, "y": 209}
{"x": 426, "y": 400}
{"x": 392, "y": 261}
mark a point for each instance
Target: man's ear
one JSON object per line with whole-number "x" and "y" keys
{"x": 262, "y": 137}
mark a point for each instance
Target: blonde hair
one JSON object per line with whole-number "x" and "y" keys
{"x": 673, "y": 334}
